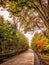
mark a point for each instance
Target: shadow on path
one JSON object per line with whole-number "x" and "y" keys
{"x": 36, "y": 59}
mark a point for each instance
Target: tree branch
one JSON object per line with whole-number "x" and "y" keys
{"x": 38, "y": 10}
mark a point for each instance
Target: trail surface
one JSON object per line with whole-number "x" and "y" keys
{"x": 36, "y": 59}
{"x": 26, "y": 58}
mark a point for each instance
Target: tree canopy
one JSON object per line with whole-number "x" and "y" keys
{"x": 26, "y": 10}
{"x": 41, "y": 6}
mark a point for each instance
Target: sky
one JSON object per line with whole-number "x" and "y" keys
{"x": 6, "y": 14}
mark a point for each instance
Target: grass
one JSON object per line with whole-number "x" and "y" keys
{"x": 44, "y": 58}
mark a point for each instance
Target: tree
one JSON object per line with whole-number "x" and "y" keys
{"x": 41, "y": 45}
{"x": 11, "y": 39}
{"x": 19, "y": 7}
{"x": 36, "y": 37}
{"x": 41, "y": 6}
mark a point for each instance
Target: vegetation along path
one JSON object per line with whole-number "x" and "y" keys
{"x": 26, "y": 58}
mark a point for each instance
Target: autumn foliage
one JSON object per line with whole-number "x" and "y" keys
{"x": 41, "y": 44}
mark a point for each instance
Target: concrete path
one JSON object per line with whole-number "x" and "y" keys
{"x": 26, "y": 58}
{"x": 36, "y": 59}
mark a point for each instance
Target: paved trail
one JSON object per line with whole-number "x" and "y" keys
{"x": 36, "y": 59}
{"x": 26, "y": 58}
